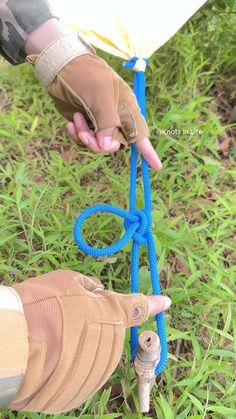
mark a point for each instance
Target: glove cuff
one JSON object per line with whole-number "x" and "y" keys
{"x": 14, "y": 345}
{"x": 53, "y": 58}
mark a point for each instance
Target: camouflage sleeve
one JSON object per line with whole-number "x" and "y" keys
{"x": 18, "y": 18}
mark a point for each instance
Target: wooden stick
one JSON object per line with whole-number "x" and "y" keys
{"x": 146, "y": 360}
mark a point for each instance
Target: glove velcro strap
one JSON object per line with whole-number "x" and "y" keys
{"x": 58, "y": 54}
{"x": 13, "y": 345}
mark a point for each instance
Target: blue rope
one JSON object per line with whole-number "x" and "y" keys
{"x": 137, "y": 224}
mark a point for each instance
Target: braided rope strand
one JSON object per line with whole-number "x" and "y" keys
{"x": 137, "y": 224}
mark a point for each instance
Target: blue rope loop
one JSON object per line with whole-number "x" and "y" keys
{"x": 137, "y": 225}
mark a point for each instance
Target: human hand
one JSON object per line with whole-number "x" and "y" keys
{"x": 101, "y": 107}
{"x": 103, "y": 142}
{"x": 76, "y": 332}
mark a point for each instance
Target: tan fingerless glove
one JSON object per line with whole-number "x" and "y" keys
{"x": 79, "y": 81}
{"x": 76, "y": 333}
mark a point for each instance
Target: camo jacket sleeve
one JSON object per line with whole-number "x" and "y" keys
{"x": 18, "y": 18}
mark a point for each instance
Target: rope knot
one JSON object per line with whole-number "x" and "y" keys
{"x": 143, "y": 224}
{"x": 136, "y": 64}
{"x": 137, "y": 223}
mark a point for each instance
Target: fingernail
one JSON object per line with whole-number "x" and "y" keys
{"x": 84, "y": 139}
{"x": 166, "y": 303}
{"x": 158, "y": 164}
{"x": 106, "y": 142}
{"x": 77, "y": 120}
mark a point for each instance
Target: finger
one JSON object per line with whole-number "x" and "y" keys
{"x": 70, "y": 127}
{"x": 100, "y": 142}
{"x": 84, "y": 133}
{"x": 135, "y": 308}
{"x": 106, "y": 142}
{"x": 148, "y": 152}
{"x": 90, "y": 143}
{"x": 71, "y": 131}
{"x": 157, "y": 304}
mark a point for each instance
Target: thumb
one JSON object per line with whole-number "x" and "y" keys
{"x": 157, "y": 304}
{"x": 137, "y": 307}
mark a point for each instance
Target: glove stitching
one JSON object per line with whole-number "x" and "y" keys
{"x": 114, "y": 78}
{"x": 113, "y": 323}
{"x": 91, "y": 367}
{"x": 81, "y": 102}
{"x": 73, "y": 364}
{"x": 41, "y": 359}
{"x": 60, "y": 366}
{"x": 101, "y": 381}
{"x": 126, "y": 111}
{"x": 108, "y": 370}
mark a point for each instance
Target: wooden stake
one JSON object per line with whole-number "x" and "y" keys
{"x": 146, "y": 360}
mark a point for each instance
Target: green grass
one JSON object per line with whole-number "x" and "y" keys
{"x": 193, "y": 212}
